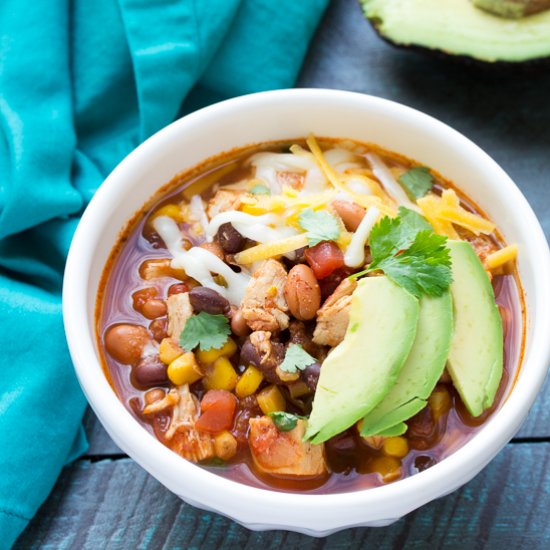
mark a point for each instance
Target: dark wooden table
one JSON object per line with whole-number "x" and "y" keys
{"x": 104, "y": 500}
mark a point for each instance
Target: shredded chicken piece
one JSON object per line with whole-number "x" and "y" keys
{"x": 293, "y": 179}
{"x": 188, "y": 442}
{"x": 284, "y": 453}
{"x": 222, "y": 201}
{"x": 179, "y": 310}
{"x": 333, "y": 317}
{"x": 264, "y": 306}
{"x": 169, "y": 400}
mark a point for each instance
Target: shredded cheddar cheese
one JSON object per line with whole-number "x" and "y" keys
{"x": 501, "y": 257}
{"x": 327, "y": 169}
{"x": 269, "y": 250}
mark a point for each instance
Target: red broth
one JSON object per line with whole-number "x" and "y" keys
{"x": 433, "y": 434}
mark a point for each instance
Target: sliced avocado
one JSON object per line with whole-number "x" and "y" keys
{"x": 394, "y": 431}
{"x": 362, "y": 369}
{"x": 512, "y": 9}
{"x": 476, "y": 355}
{"x": 458, "y": 28}
{"x": 421, "y": 371}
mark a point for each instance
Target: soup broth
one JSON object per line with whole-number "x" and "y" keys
{"x": 142, "y": 275}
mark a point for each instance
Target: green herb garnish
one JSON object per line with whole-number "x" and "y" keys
{"x": 260, "y": 189}
{"x": 206, "y": 331}
{"x": 285, "y": 422}
{"x": 320, "y": 226}
{"x": 296, "y": 358}
{"x": 417, "y": 181}
{"x": 407, "y": 250}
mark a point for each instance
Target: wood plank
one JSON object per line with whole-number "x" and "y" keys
{"x": 115, "y": 504}
{"x": 99, "y": 441}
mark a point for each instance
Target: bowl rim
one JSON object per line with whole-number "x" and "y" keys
{"x": 204, "y": 488}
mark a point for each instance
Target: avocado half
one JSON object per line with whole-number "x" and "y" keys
{"x": 458, "y": 28}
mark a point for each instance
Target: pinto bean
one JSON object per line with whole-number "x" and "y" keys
{"x": 150, "y": 371}
{"x": 238, "y": 323}
{"x": 158, "y": 329}
{"x": 153, "y": 395}
{"x": 230, "y": 239}
{"x": 215, "y": 249}
{"x": 302, "y": 292}
{"x": 351, "y": 213}
{"x": 125, "y": 342}
{"x": 178, "y": 288}
{"x": 153, "y": 309}
{"x": 208, "y": 300}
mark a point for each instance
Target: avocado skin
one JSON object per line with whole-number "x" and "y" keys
{"x": 362, "y": 369}
{"x": 476, "y": 355}
{"x": 423, "y": 368}
{"x": 535, "y": 64}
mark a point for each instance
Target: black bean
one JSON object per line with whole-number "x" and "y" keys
{"x": 230, "y": 239}
{"x": 267, "y": 363}
{"x": 311, "y": 374}
{"x": 208, "y": 300}
{"x": 150, "y": 371}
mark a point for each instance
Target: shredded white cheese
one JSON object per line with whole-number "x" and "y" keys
{"x": 382, "y": 172}
{"x": 199, "y": 263}
{"x": 355, "y": 252}
{"x": 199, "y": 213}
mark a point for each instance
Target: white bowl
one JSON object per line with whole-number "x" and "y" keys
{"x": 281, "y": 115}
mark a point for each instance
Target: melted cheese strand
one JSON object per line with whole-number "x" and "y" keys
{"x": 197, "y": 209}
{"x": 247, "y": 224}
{"x": 199, "y": 263}
{"x": 382, "y": 172}
{"x": 355, "y": 252}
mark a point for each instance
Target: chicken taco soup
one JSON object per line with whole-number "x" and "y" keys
{"x": 314, "y": 316}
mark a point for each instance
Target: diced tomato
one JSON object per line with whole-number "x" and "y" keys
{"x": 324, "y": 258}
{"x": 217, "y": 411}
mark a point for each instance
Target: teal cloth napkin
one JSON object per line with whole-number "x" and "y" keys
{"x": 82, "y": 82}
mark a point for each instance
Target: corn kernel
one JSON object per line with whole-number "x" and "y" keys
{"x": 440, "y": 403}
{"x": 209, "y": 356}
{"x": 388, "y": 467}
{"x": 225, "y": 445}
{"x": 171, "y": 210}
{"x": 249, "y": 382}
{"x": 287, "y": 376}
{"x": 184, "y": 370}
{"x": 169, "y": 350}
{"x": 395, "y": 446}
{"x": 222, "y": 375}
{"x": 271, "y": 399}
{"x": 298, "y": 389}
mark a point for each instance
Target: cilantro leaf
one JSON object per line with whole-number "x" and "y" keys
{"x": 417, "y": 181}
{"x": 284, "y": 421}
{"x": 296, "y": 358}
{"x": 423, "y": 268}
{"x": 407, "y": 250}
{"x": 390, "y": 235}
{"x": 206, "y": 331}
{"x": 320, "y": 226}
{"x": 260, "y": 189}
